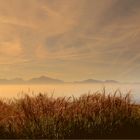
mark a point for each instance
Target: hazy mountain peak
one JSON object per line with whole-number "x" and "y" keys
{"x": 89, "y": 81}
{"x": 38, "y": 80}
{"x": 96, "y": 81}
{"x": 44, "y": 79}
{"x": 48, "y": 80}
{"x": 111, "y": 81}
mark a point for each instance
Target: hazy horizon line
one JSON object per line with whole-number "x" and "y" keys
{"x": 86, "y": 80}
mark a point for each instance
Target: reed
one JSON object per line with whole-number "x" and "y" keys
{"x": 97, "y": 115}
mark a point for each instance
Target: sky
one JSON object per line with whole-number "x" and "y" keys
{"x": 70, "y": 39}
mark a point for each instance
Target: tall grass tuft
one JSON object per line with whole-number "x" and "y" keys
{"x": 97, "y": 115}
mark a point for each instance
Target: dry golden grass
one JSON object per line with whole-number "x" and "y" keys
{"x": 97, "y": 115}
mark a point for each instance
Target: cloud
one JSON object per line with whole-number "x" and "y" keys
{"x": 12, "y": 48}
{"x": 11, "y": 52}
{"x": 100, "y": 36}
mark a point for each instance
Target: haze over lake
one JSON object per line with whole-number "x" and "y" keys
{"x": 67, "y": 89}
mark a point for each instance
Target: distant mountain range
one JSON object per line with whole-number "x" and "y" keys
{"x": 12, "y": 81}
{"x": 96, "y": 81}
{"x": 39, "y": 80}
{"x": 43, "y": 80}
{"x": 48, "y": 80}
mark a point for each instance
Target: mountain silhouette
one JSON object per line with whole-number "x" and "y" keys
{"x": 49, "y": 80}
{"x": 39, "y": 80}
{"x": 89, "y": 81}
{"x": 96, "y": 81}
{"x": 12, "y": 81}
{"x": 44, "y": 80}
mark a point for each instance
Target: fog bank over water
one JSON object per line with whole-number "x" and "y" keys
{"x": 59, "y": 90}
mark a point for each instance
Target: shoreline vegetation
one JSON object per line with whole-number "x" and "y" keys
{"x": 97, "y": 115}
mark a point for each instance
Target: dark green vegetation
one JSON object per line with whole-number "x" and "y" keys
{"x": 90, "y": 116}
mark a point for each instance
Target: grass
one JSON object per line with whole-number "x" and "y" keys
{"x": 97, "y": 115}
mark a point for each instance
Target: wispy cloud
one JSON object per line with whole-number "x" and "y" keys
{"x": 12, "y": 48}
{"x": 90, "y": 36}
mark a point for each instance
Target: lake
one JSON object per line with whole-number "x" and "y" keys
{"x": 16, "y": 91}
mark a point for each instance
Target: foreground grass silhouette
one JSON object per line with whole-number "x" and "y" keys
{"x": 97, "y": 115}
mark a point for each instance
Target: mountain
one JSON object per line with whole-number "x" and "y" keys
{"x": 17, "y": 80}
{"x": 4, "y": 81}
{"x": 44, "y": 80}
{"x": 48, "y": 80}
{"x": 39, "y": 80}
{"x": 97, "y": 81}
{"x": 12, "y": 81}
{"x": 111, "y": 81}
{"x": 89, "y": 81}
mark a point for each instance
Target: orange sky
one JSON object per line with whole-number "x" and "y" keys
{"x": 70, "y": 39}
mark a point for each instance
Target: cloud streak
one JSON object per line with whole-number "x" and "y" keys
{"x": 71, "y": 37}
